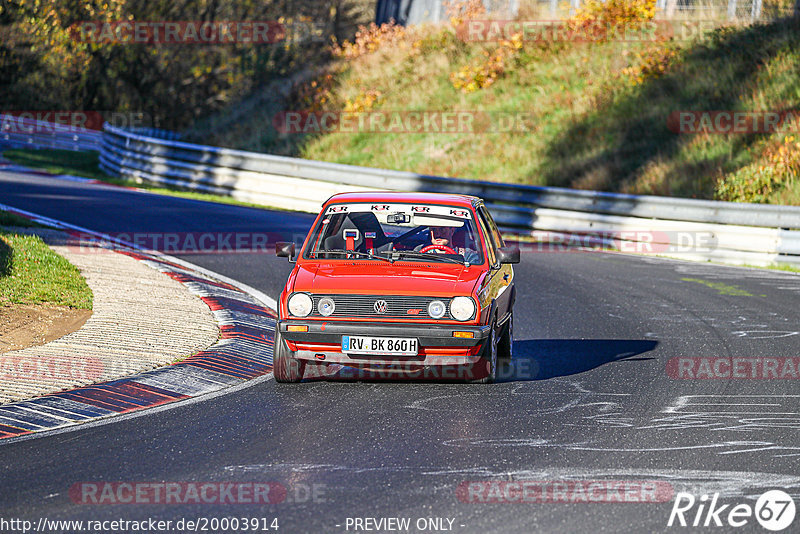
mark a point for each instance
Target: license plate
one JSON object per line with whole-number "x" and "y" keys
{"x": 384, "y": 346}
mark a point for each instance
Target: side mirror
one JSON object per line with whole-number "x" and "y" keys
{"x": 508, "y": 254}
{"x": 284, "y": 249}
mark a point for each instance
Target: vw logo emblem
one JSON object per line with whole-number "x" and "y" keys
{"x": 380, "y": 306}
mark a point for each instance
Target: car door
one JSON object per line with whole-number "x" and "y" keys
{"x": 500, "y": 283}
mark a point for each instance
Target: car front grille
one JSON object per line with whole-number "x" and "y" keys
{"x": 397, "y": 306}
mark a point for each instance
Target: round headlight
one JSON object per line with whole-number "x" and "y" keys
{"x": 436, "y": 309}
{"x": 300, "y": 305}
{"x": 462, "y": 308}
{"x": 326, "y": 306}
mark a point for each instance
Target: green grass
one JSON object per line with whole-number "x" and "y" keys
{"x": 776, "y": 267}
{"x": 721, "y": 288}
{"x": 60, "y": 162}
{"x": 11, "y": 219}
{"x": 31, "y": 273}
{"x": 595, "y": 125}
{"x": 85, "y": 164}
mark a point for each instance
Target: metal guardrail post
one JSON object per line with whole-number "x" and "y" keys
{"x": 30, "y": 133}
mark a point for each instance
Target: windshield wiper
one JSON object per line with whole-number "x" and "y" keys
{"x": 355, "y": 252}
{"x": 427, "y": 256}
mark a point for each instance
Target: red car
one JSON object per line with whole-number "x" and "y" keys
{"x": 398, "y": 283}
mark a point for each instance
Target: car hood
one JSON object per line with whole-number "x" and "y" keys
{"x": 371, "y": 278}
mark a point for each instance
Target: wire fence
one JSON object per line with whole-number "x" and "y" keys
{"x": 408, "y": 12}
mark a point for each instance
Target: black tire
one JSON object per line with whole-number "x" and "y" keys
{"x": 505, "y": 347}
{"x": 489, "y": 359}
{"x": 286, "y": 368}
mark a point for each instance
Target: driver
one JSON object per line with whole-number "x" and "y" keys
{"x": 442, "y": 236}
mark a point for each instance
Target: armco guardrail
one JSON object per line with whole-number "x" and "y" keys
{"x": 21, "y": 132}
{"x": 739, "y": 233}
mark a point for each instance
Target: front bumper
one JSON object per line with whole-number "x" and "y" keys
{"x": 437, "y": 346}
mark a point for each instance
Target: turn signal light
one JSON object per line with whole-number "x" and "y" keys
{"x": 297, "y": 328}
{"x": 467, "y": 335}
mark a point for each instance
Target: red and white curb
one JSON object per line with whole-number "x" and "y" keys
{"x": 246, "y": 319}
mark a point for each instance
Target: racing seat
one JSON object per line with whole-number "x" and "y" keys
{"x": 366, "y": 224}
{"x": 337, "y": 240}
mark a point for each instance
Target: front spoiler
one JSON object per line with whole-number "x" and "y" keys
{"x": 431, "y": 336}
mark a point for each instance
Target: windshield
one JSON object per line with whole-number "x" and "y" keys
{"x": 411, "y": 232}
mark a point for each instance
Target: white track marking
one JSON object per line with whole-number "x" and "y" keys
{"x": 114, "y": 417}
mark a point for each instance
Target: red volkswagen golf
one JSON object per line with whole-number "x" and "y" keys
{"x": 398, "y": 283}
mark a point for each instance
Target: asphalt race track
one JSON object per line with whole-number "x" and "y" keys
{"x": 587, "y": 398}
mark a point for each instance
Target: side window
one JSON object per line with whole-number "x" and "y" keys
{"x": 490, "y": 244}
{"x": 497, "y": 239}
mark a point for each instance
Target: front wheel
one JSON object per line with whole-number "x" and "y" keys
{"x": 285, "y": 367}
{"x": 489, "y": 359}
{"x": 505, "y": 348}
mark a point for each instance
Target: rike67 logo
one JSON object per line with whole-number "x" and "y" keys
{"x": 774, "y": 510}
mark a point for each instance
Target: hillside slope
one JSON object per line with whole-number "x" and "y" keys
{"x": 592, "y": 115}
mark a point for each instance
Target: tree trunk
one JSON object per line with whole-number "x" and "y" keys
{"x": 731, "y": 9}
